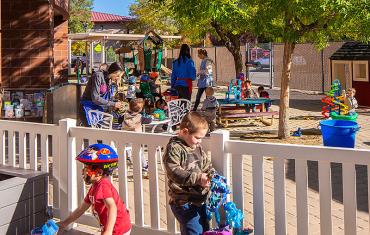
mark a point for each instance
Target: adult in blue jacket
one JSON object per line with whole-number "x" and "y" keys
{"x": 183, "y": 73}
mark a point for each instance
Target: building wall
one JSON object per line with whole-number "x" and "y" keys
{"x": 60, "y": 51}
{"x": 114, "y": 28}
{"x": 26, "y": 37}
{"x": 27, "y": 44}
{"x": 310, "y": 68}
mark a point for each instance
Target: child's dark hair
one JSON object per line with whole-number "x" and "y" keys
{"x": 184, "y": 53}
{"x": 260, "y": 88}
{"x": 203, "y": 52}
{"x": 105, "y": 171}
{"x": 136, "y": 105}
{"x": 194, "y": 122}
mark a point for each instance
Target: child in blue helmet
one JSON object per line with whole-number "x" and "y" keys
{"x": 99, "y": 162}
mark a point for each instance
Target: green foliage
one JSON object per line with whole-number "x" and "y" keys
{"x": 111, "y": 55}
{"x": 316, "y": 21}
{"x": 79, "y": 15}
{"x": 78, "y": 48}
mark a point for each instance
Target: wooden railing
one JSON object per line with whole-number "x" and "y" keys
{"x": 27, "y": 147}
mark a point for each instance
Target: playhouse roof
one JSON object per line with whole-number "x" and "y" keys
{"x": 352, "y": 51}
{"x": 154, "y": 37}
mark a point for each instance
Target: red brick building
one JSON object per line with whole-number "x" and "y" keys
{"x": 34, "y": 43}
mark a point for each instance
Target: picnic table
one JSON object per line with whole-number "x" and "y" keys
{"x": 231, "y": 109}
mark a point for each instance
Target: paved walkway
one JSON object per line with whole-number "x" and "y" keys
{"x": 305, "y": 112}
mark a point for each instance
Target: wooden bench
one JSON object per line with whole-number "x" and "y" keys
{"x": 224, "y": 117}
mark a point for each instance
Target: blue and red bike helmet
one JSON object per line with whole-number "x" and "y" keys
{"x": 101, "y": 155}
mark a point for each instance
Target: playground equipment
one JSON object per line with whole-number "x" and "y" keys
{"x": 236, "y": 88}
{"x": 143, "y": 57}
{"x": 150, "y": 52}
{"x": 335, "y": 107}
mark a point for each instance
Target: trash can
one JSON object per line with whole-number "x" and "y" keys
{"x": 339, "y": 133}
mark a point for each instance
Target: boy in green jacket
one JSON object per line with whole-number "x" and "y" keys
{"x": 189, "y": 171}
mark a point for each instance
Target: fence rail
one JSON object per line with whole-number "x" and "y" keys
{"x": 26, "y": 145}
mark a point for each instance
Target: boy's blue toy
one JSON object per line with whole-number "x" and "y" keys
{"x": 234, "y": 217}
{"x": 298, "y": 132}
{"x": 49, "y": 228}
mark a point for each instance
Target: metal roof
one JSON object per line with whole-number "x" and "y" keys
{"x": 352, "y": 51}
{"x": 97, "y": 17}
{"x": 115, "y": 37}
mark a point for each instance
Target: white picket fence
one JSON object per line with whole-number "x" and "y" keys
{"x": 228, "y": 158}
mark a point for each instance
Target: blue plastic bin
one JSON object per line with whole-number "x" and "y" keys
{"x": 339, "y": 133}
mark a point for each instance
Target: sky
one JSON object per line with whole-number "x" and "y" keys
{"x": 118, "y": 7}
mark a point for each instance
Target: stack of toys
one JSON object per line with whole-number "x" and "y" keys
{"x": 234, "y": 216}
{"x": 335, "y": 107}
{"x": 236, "y": 88}
{"x": 18, "y": 104}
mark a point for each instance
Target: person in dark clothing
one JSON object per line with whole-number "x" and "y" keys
{"x": 99, "y": 94}
{"x": 264, "y": 94}
{"x": 183, "y": 73}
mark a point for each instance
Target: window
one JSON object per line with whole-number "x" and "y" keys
{"x": 361, "y": 71}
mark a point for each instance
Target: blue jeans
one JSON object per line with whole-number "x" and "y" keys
{"x": 192, "y": 219}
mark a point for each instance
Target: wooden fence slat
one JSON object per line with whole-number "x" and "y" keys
{"x": 138, "y": 184}
{"x": 11, "y": 148}
{"x": 44, "y": 153}
{"x": 349, "y": 198}
{"x": 56, "y": 170}
{"x": 153, "y": 187}
{"x": 171, "y": 221}
{"x": 238, "y": 185}
{"x": 279, "y": 196}
{"x": 301, "y": 196}
{"x": 33, "y": 151}
{"x": 122, "y": 175}
{"x": 22, "y": 150}
{"x": 80, "y": 182}
{"x": 258, "y": 194}
{"x": 325, "y": 197}
{"x": 2, "y": 147}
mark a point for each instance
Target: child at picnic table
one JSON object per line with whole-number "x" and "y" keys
{"x": 99, "y": 162}
{"x": 250, "y": 93}
{"x": 264, "y": 94}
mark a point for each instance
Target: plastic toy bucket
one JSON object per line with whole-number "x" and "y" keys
{"x": 339, "y": 133}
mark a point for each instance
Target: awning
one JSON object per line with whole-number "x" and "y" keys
{"x": 114, "y": 37}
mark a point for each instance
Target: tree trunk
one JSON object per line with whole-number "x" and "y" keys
{"x": 238, "y": 61}
{"x": 232, "y": 43}
{"x": 284, "y": 130}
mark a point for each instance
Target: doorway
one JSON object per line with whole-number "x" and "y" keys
{"x": 342, "y": 71}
